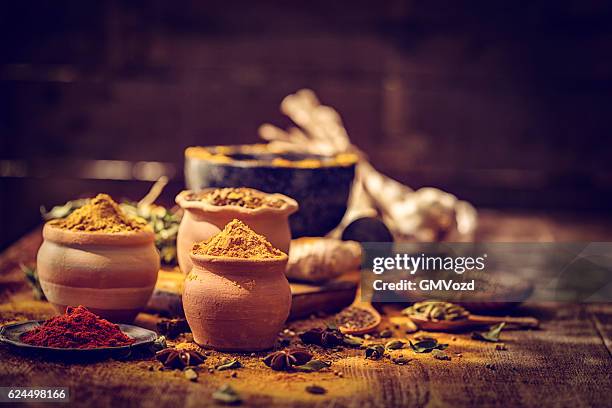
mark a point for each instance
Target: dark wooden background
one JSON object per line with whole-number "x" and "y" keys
{"x": 504, "y": 103}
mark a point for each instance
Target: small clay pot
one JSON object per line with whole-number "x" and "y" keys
{"x": 236, "y": 304}
{"x": 113, "y": 275}
{"x": 202, "y": 220}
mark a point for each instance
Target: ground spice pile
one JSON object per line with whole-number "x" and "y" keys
{"x": 241, "y": 197}
{"x": 100, "y": 214}
{"x": 237, "y": 240}
{"x": 77, "y": 328}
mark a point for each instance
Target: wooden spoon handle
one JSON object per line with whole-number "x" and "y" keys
{"x": 531, "y": 322}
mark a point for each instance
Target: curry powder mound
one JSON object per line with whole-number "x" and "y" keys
{"x": 100, "y": 214}
{"x": 237, "y": 240}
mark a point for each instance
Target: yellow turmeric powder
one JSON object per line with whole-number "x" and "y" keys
{"x": 237, "y": 240}
{"x": 100, "y": 214}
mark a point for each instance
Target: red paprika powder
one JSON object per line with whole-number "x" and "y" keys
{"x": 78, "y": 328}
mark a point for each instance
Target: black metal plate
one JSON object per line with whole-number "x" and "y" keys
{"x": 11, "y": 334}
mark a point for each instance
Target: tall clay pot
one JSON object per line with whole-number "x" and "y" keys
{"x": 236, "y": 304}
{"x": 202, "y": 220}
{"x": 113, "y": 275}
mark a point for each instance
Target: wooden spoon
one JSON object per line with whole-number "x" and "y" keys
{"x": 472, "y": 320}
{"x": 367, "y": 307}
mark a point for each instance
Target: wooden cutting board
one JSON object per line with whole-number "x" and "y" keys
{"x": 308, "y": 298}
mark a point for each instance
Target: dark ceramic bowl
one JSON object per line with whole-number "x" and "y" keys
{"x": 321, "y": 185}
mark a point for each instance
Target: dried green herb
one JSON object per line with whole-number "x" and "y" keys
{"x": 426, "y": 345}
{"x": 440, "y": 355}
{"x": 385, "y": 333}
{"x": 375, "y": 352}
{"x": 352, "y": 341}
{"x": 316, "y": 389}
{"x": 227, "y": 364}
{"x": 435, "y": 311}
{"x": 190, "y": 374}
{"x": 395, "y": 345}
{"x": 227, "y": 395}
{"x": 32, "y": 278}
{"x": 158, "y": 345}
{"x": 312, "y": 366}
{"x": 492, "y": 335}
{"x": 400, "y": 360}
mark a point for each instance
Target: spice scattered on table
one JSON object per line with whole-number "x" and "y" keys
{"x": 328, "y": 337}
{"x": 440, "y": 355}
{"x": 229, "y": 364}
{"x": 239, "y": 196}
{"x": 190, "y": 374}
{"x": 375, "y": 352}
{"x": 426, "y": 345}
{"x": 172, "y": 328}
{"x": 227, "y": 395}
{"x": 312, "y": 366}
{"x": 492, "y": 335}
{"x": 285, "y": 360}
{"x": 436, "y": 311}
{"x": 316, "y": 389}
{"x": 77, "y": 328}
{"x": 100, "y": 214}
{"x": 394, "y": 345}
{"x": 237, "y": 240}
{"x": 179, "y": 358}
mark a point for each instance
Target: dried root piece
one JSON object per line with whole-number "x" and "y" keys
{"x": 426, "y": 215}
{"x": 321, "y": 259}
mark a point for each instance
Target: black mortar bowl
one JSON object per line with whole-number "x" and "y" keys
{"x": 320, "y": 184}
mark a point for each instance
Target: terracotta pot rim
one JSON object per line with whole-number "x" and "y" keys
{"x": 287, "y": 209}
{"x": 62, "y": 236}
{"x": 224, "y": 260}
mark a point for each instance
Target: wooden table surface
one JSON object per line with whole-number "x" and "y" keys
{"x": 568, "y": 362}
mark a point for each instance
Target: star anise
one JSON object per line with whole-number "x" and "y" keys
{"x": 327, "y": 337}
{"x": 175, "y": 358}
{"x": 284, "y": 360}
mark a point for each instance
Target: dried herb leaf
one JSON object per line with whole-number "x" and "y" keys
{"x": 316, "y": 389}
{"x": 352, "y": 341}
{"x": 375, "y": 352}
{"x": 426, "y": 345}
{"x": 385, "y": 333}
{"x": 32, "y": 279}
{"x": 312, "y": 366}
{"x": 394, "y": 345}
{"x": 227, "y": 395}
{"x": 229, "y": 365}
{"x": 401, "y": 360}
{"x": 440, "y": 355}
{"x": 190, "y": 374}
{"x": 159, "y": 344}
{"x": 492, "y": 335}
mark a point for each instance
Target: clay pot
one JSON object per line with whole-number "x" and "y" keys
{"x": 113, "y": 275}
{"x": 236, "y": 304}
{"x": 201, "y": 221}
